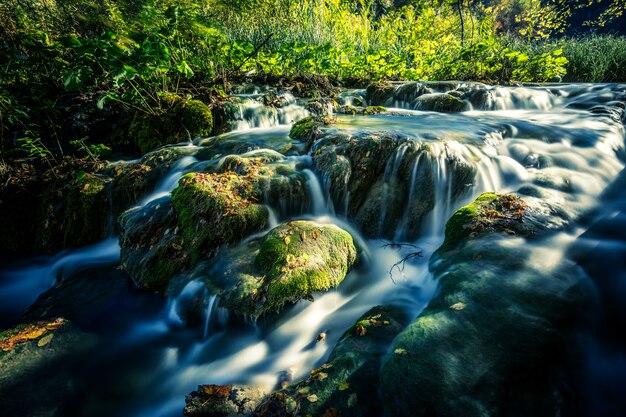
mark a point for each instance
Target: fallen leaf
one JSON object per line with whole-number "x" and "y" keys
{"x": 218, "y": 391}
{"x": 287, "y": 240}
{"x": 312, "y": 398}
{"x": 361, "y": 330}
{"x": 344, "y": 386}
{"x": 458, "y": 306}
{"x": 400, "y": 351}
{"x": 45, "y": 340}
{"x": 352, "y": 400}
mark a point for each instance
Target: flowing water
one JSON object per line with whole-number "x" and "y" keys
{"x": 563, "y": 142}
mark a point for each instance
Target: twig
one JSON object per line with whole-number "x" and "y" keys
{"x": 401, "y": 264}
{"x": 256, "y": 50}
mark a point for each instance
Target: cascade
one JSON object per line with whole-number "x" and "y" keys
{"x": 399, "y": 175}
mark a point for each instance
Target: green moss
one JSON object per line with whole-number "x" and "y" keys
{"x": 301, "y": 258}
{"x": 441, "y": 102}
{"x": 303, "y": 128}
{"x": 378, "y": 93}
{"x": 458, "y": 226}
{"x": 216, "y": 209}
{"x": 86, "y": 210}
{"x": 288, "y": 264}
{"x": 183, "y": 120}
{"x": 369, "y": 110}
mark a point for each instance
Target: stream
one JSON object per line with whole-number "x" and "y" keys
{"x": 564, "y": 143}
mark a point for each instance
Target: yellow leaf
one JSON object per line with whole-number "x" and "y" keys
{"x": 344, "y": 386}
{"x": 287, "y": 240}
{"x": 312, "y": 398}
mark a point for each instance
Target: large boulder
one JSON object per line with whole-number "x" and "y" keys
{"x": 493, "y": 338}
{"x": 288, "y": 264}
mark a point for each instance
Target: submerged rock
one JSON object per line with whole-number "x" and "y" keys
{"x": 288, "y": 264}
{"x": 494, "y": 337}
{"x": 222, "y": 400}
{"x": 151, "y": 246}
{"x": 347, "y": 383}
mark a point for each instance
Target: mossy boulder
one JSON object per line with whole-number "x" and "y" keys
{"x": 309, "y": 129}
{"x": 494, "y": 337}
{"x": 370, "y": 110}
{"x": 378, "y": 94}
{"x": 386, "y": 181}
{"x": 347, "y": 383}
{"x": 288, "y": 264}
{"x": 183, "y": 120}
{"x": 440, "y": 102}
{"x": 500, "y": 213}
{"x": 216, "y": 209}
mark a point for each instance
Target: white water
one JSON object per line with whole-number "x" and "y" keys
{"x": 520, "y": 136}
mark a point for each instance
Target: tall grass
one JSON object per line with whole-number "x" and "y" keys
{"x": 595, "y": 58}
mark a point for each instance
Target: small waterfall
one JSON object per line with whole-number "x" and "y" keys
{"x": 401, "y": 232}
{"x": 254, "y": 114}
{"x": 170, "y": 182}
{"x": 321, "y": 204}
{"x": 211, "y": 305}
{"x": 391, "y": 173}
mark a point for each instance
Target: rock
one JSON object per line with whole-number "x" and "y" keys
{"x": 321, "y": 107}
{"x": 501, "y": 213}
{"x": 183, "y": 120}
{"x": 440, "y": 102}
{"x": 222, "y": 401}
{"x": 288, "y": 264}
{"x": 308, "y": 130}
{"x": 36, "y": 362}
{"x": 151, "y": 245}
{"x": 493, "y": 338}
{"x": 225, "y": 115}
{"x": 377, "y": 94}
{"x": 384, "y": 180}
{"x": 207, "y": 211}
{"x": 216, "y": 209}
{"x": 370, "y": 110}
{"x": 131, "y": 182}
{"x": 347, "y": 383}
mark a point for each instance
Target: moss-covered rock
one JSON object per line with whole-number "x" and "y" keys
{"x": 501, "y": 213}
{"x": 182, "y": 120}
{"x": 290, "y": 263}
{"x": 309, "y": 129}
{"x": 152, "y": 249}
{"x": 377, "y": 94}
{"x": 86, "y": 212}
{"x": 216, "y": 209}
{"x": 370, "y": 110}
{"x": 386, "y": 180}
{"x": 493, "y": 338}
{"x": 440, "y": 102}
{"x": 347, "y": 384}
